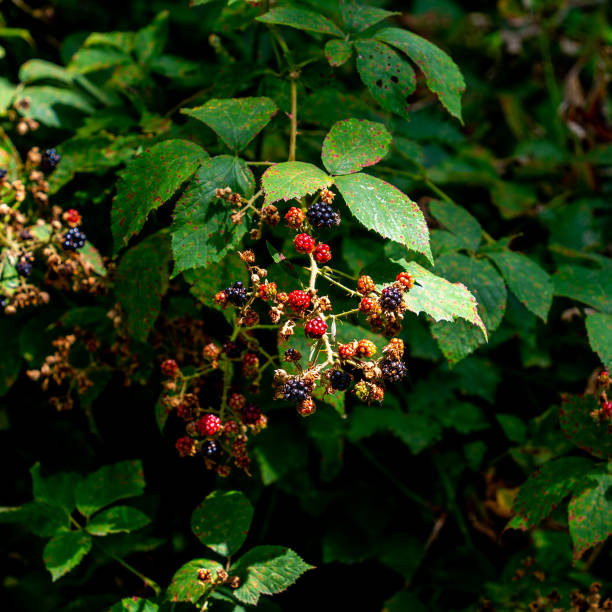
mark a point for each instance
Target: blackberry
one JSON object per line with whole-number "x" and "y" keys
{"x": 3, "y": 301}
{"x": 251, "y": 414}
{"x": 3, "y": 173}
{"x": 236, "y": 294}
{"x": 211, "y": 449}
{"x": 390, "y": 298}
{"x": 340, "y": 380}
{"x": 23, "y": 267}
{"x": 50, "y": 159}
{"x": 292, "y": 354}
{"x": 295, "y": 390}
{"x": 232, "y": 349}
{"x": 393, "y": 370}
{"x": 74, "y": 239}
{"x": 322, "y": 215}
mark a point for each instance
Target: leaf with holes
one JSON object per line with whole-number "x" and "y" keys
{"x": 266, "y": 570}
{"x": 383, "y": 208}
{"x": 590, "y": 512}
{"x": 292, "y": 180}
{"x": 578, "y": 425}
{"x": 301, "y": 19}
{"x": 202, "y": 230}
{"x": 142, "y": 280}
{"x": 235, "y": 120}
{"x": 590, "y": 286}
{"x": 148, "y": 181}
{"x": 358, "y": 18}
{"x": 65, "y": 551}
{"x": 530, "y": 283}
{"x": 599, "y": 329}
{"x": 185, "y": 585}
{"x": 354, "y": 144}
{"x": 222, "y": 521}
{"x": 337, "y": 52}
{"x": 545, "y": 489}
{"x": 458, "y": 221}
{"x": 109, "y": 484}
{"x": 442, "y": 75}
{"x": 386, "y": 74}
{"x": 116, "y": 520}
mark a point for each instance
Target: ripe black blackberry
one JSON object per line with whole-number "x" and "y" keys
{"x": 211, "y": 449}
{"x": 292, "y": 354}
{"x": 232, "y": 349}
{"x": 393, "y": 370}
{"x": 295, "y": 390}
{"x": 23, "y": 267}
{"x": 74, "y": 239}
{"x": 251, "y": 414}
{"x": 3, "y": 173}
{"x": 340, "y": 380}
{"x": 236, "y": 294}
{"x": 50, "y": 159}
{"x": 390, "y": 298}
{"x": 322, "y": 215}
{"x": 3, "y": 301}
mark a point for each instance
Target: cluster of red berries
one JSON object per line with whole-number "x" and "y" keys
{"x": 304, "y": 243}
{"x": 603, "y": 413}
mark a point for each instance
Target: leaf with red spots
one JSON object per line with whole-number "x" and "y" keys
{"x": 383, "y": 208}
{"x": 148, "y": 181}
{"x": 65, "y": 551}
{"x": 235, "y": 120}
{"x": 358, "y": 18}
{"x": 459, "y": 222}
{"x": 266, "y": 570}
{"x": 530, "y": 283}
{"x": 545, "y": 489}
{"x": 442, "y": 75}
{"x": 389, "y": 78}
{"x": 116, "y": 520}
{"x": 222, "y": 521}
{"x": 587, "y": 285}
{"x": 292, "y": 180}
{"x": 354, "y": 144}
{"x": 91, "y": 257}
{"x": 142, "y": 280}
{"x": 599, "y": 328}
{"x": 581, "y": 429}
{"x": 202, "y": 231}
{"x": 108, "y": 484}
{"x": 134, "y": 604}
{"x": 337, "y": 52}
{"x": 186, "y": 586}
{"x": 301, "y": 19}
{"x": 590, "y": 512}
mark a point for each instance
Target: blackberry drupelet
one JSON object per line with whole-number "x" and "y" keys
{"x": 251, "y": 414}
{"x": 322, "y": 215}
{"x": 295, "y": 390}
{"x": 74, "y": 239}
{"x": 236, "y": 294}
{"x": 390, "y": 298}
{"x": 211, "y": 449}
{"x": 393, "y": 370}
{"x": 23, "y": 267}
{"x": 340, "y": 380}
{"x": 50, "y": 159}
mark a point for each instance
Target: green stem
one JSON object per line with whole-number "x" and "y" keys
{"x": 293, "y": 135}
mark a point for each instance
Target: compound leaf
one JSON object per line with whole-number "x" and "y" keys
{"x": 290, "y": 180}
{"x": 301, "y": 19}
{"x": 65, "y": 551}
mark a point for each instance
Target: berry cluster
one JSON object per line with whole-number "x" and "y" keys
{"x": 74, "y": 239}
{"x": 603, "y": 414}
{"x": 322, "y": 214}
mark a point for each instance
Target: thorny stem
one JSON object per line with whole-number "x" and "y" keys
{"x": 314, "y": 270}
{"x": 340, "y": 285}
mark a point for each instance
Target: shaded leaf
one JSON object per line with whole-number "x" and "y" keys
{"x": 590, "y": 286}
{"x": 337, "y": 51}
{"x": 134, "y": 604}
{"x": 513, "y": 426}
{"x": 185, "y": 585}
{"x": 301, "y": 19}
{"x": 291, "y": 180}
{"x": 599, "y": 328}
{"x": 358, "y": 18}
{"x": 56, "y": 490}
{"x": 43, "y": 519}
{"x": 46, "y": 103}
{"x": 116, "y": 520}
{"x": 10, "y": 359}
{"x": 65, "y": 551}
{"x": 458, "y": 221}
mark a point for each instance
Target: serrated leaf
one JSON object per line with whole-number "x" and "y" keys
{"x": 44, "y": 99}
{"x": 134, "y": 604}
{"x": 266, "y": 570}
{"x": 301, "y": 19}
{"x": 353, "y": 144}
{"x": 109, "y": 484}
{"x": 581, "y": 429}
{"x": 358, "y": 18}
{"x": 185, "y": 585}
{"x": 545, "y": 489}
{"x": 148, "y": 181}
{"x": 599, "y": 329}
{"x": 44, "y": 520}
{"x": 513, "y": 426}
{"x": 222, "y": 521}
{"x": 65, "y": 551}
{"x": 86, "y": 60}
{"x": 56, "y": 490}
{"x": 389, "y": 78}
{"x": 37, "y": 70}
{"x": 592, "y": 287}
{"x": 116, "y": 520}
{"x": 292, "y": 180}
{"x": 442, "y": 75}
{"x": 590, "y": 512}
{"x": 142, "y": 280}
{"x": 91, "y": 256}
{"x": 530, "y": 283}
{"x": 235, "y": 120}
{"x": 385, "y": 209}
{"x": 458, "y": 221}
{"x": 337, "y": 52}
{"x": 202, "y": 231}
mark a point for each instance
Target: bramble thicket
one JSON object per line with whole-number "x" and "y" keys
{"x": 306, "y": 305}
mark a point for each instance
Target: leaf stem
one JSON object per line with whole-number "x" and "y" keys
{"x": 293, "y": 76}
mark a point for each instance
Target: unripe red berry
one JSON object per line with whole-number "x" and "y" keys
{"x": 72, "y": 217}
{"x": 250, "y": 414}
{"x": 406, "y": 279}
{"x": 170, "y": 368}
{"x": 224, "y": 471}
{"x": 315, "y": 328}
{"x": 327, "y": 196}
{"x": 185, "y": 446}
{"x": 306, "y": 407}
{"x": 221, "y": 298}
{"x": 346, "y": 351}
{"x": 365, "y": 348}
{"x": 250, "y": 364}
{"x": 267, "y": 291}
{"x": 298, "y": 300}
{"x": 209, "y": 425}
{"x": 231, "y": 428}
{"x": 606, "y": 409}
{"x": 304, "y": 243}
{"x": 294, "y": 217}
{"x": 236, "y": 402}
{"x": 211, "y": 351}
{"x": 322, "y": 253}
{"x": 368, "y": 305}
{"x": 365, "y": 285}
{"x": 282, "y": 297}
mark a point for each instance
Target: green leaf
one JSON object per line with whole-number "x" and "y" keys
{"x": 599, "y": 329}
{"x": 461, "y": 416}
{"x": 385, "y": 209}
{"x": 592, "y": 287}
{"x": 85, "y": 60}
{"x": 358, "y": 18}
{"x": 545, "y": 489}
{"x": 581, "y": 429}
{"x": 236, "y": 120}
{"x": 514, "y": 427}
{"x": 44, "y": 99}
{"x": 403, "y": 601}
{"x": 530, "y": 283}
{"x": 91, "y": 256}
{"x": 442, "y": 75}
{"x": 337, "y": 51}
{"x": 109, "y": 484}
{"x": 38, "y": 70}
{"x": 301, "y": 19}
{"x": 65, "y": 551}
{"x": 590, "y": 512}
{"x": 266, "y": 570}
{"x": 458, "y": 221}
{"x": 353, "y": 144}
{"x": 56, "y": 490}
{"x": 185, "y": 585}
{"x": 202, "y": 231}
{"x": 150, "y": 180}
{"x": 116, "y": 520}
{"x": 222, "y": 521}
{"x": 44, "y": 520}
{"x": 292, "y": 180}
{"x": 142, "y": 280}
{"x": 150, "y": 41}
{"x": 10, "y": 359}
{"x": 134, "y": 604}
{"x": 389, "y": 78}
